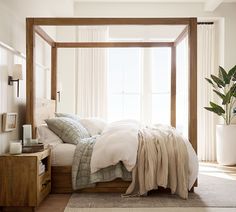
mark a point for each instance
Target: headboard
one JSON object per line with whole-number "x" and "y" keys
{"x": 44, "y": 109}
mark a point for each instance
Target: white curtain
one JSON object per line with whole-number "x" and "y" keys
{"x": 91, "y": 96}
{"x": 182, "y": 75}
{"x": 206, "y": 67}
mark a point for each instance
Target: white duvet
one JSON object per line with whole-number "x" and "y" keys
{"x": 119, "y": 142}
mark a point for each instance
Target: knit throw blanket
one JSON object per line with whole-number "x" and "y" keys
{"x": 162, "y": 160}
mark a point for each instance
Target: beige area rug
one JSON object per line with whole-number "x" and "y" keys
{"x": 216, "y": 189}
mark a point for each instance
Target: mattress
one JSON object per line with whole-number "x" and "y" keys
{"x": 63, "y": 154}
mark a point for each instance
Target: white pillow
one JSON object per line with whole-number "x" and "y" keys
{"x": 47, "y": 137}
{"x": 94, "y": 126}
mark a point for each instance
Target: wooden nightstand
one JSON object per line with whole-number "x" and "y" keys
{"x": 22, "y": 187}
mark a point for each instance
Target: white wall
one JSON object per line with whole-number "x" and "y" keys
{"x": 12, "y": 33}
{"x": 12, "y": 30}
{"x": 9, "y": 101}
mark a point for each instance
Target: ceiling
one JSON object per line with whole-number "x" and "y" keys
{"x": 209, "y": 5}
{"x": 41, "y": 8}
{"x": 66, "y": 7}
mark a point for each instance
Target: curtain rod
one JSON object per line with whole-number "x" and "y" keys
{"x": 205, "y": 23}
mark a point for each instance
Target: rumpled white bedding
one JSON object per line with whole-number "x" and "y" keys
{"x": 119, "y": 142}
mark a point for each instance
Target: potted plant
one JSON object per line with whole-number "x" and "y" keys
{"x": 224, "y": 85}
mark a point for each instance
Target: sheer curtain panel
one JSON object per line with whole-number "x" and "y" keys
{"x": 91, "y": 91}
{"x": 206, "y": 67}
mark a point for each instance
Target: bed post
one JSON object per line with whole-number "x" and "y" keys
{"x": 173, "y": 86}
{"x": 193, "y": 82}
{"x": 54, "y": 73}
{"x": 30, "y": 73}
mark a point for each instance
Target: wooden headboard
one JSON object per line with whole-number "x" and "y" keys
{"x": 44, "y": 109}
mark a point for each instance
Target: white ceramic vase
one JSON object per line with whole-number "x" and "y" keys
{"x": 226, "y": 144}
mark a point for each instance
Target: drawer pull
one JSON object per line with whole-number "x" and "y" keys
{"x": 46, "y": 183}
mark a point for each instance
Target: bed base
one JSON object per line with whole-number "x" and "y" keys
{"x": 61, "y": 183}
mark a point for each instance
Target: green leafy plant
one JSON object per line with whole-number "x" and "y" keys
{"x": 224, "y": 85}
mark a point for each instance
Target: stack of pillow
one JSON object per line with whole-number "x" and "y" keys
{"x": 69, "y": 128}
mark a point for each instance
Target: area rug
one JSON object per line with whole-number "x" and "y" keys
{"x": 213, "y": 191}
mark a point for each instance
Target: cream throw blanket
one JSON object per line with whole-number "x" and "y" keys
{"x": 162, "y": 160}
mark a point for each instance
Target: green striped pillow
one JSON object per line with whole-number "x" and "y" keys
{"x": 69, "y": 130}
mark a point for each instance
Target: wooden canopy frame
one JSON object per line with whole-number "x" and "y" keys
{"x": 33, "y": 27}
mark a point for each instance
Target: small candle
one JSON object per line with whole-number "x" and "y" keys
{"x": 15, "y": 148}
{"x": 27, "y": 133}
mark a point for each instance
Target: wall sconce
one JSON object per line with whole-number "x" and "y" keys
{"x": 17, "y": 75}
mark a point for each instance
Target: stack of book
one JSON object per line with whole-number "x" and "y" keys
{"x": 30, "y": 148}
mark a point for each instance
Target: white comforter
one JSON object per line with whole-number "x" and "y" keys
{"x": 119, "y": 142}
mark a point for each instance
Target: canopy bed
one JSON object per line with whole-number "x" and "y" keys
{"x": 40, "y": 109}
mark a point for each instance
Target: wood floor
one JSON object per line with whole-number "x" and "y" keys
{"x": 54, "y": 203}
{"x": 58, "y": 202}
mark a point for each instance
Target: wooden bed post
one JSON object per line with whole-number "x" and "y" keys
{"x": 30, "y": 73}
{"x": 193, "y": 82}
{"x": 31, "y": 108}
{"x": 173, "y": 86}
{"x": 54, "y": 73}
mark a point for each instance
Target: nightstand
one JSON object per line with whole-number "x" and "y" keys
{"x": 22, "y": 187}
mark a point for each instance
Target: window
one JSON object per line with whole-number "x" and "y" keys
{"x": 124, "y": 84}
{"x": 161, "y": 85}
{"x": 139, "y": 82}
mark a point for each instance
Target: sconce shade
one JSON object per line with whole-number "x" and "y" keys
{"x": 17, "y": 72}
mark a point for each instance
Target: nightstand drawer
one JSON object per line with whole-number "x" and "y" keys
{"x": 44, "y": 186}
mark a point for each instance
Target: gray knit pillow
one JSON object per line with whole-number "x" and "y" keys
{"x": 69, "y": 130}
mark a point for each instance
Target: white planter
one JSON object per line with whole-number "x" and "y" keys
{"x": 226, "y": 144}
